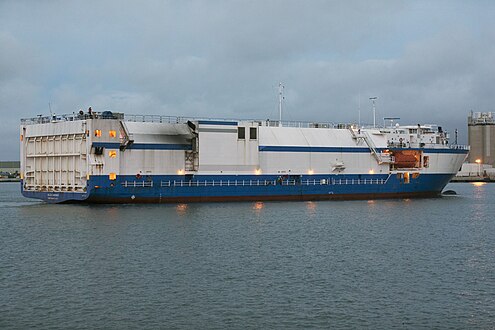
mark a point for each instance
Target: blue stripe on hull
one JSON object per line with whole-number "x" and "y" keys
{"x": 312, "y": 149}
{"x": 144, "y": 146}
{"x": 218, "y": 122}
{"x": 293, "y": 149}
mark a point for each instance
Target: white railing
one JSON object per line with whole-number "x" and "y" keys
{"x": 135, "y": 184}
{"x": 236, "y": 183}
{"x": 71, "y": 117}
{"x": 173, "y": 120}
{"x": 267, "y": 122}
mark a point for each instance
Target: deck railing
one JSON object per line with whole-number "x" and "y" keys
{"x": 135, "y": 184}
{"x": 71, "y": 117}
{"x": 171, "y": 120}
{"x": 241, "y": 183}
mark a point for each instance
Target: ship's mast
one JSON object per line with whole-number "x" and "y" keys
{"x": 280, "y": 99}
{"x": 373, "y": 99}
{"x": 359, "y": 111}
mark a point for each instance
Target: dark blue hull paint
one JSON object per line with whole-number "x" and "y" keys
{"x": 202, "y": 188}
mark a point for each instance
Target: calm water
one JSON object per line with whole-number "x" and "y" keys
{"x": 427, "y": 263}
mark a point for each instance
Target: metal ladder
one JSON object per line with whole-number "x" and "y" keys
{"x": 371, "y": 145}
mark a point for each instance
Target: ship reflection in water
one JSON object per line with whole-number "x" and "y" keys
{"x": 311, "y": 208}
{"x": 258, "y": 206}
{"x": 181, "y": 209}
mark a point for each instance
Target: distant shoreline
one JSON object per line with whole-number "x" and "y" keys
{"x": 10, "y": 180}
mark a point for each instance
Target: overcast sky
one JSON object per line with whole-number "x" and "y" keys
{"x": 426, "y": 61}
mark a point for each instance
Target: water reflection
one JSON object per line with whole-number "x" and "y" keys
{"x": 349, "y": 256}
{"x": 479, "y": 190}
{"x": 112, "y": 213}
{"x": 257, "y": 207}
{"x": 181, "y": 209}
{"x": 311, "y": 208}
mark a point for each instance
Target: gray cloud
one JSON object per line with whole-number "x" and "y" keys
{"x": 427, "y": 62}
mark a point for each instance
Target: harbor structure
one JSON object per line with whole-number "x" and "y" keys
{"x": 10, "y": 166}
{"x": 9, "y": 169}
{"x": 481, "y": 137}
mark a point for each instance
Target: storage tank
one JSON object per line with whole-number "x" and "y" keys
{"x": 481, "y": 135}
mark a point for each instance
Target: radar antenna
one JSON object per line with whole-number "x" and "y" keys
{"x": 280, "y": 99}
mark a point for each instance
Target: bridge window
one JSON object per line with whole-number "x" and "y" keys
{"x": 112, "y": 134}
{"x": 241, "y": 133}
{"x": 252, "y": 133}
{"x": 98, "y": 132}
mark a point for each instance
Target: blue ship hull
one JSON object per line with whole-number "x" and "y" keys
{"x": 221, "y": 188}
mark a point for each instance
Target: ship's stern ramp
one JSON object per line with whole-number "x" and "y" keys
{"x": 158, "y": 148}
{"x": 54, "y": 161}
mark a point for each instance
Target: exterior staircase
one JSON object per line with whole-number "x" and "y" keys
{"x": 381, "y": 157}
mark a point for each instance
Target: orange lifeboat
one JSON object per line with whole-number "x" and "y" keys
{"x": 406, "y": 159}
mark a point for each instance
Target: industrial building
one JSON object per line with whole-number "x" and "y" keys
{"x": 481, "y": 135}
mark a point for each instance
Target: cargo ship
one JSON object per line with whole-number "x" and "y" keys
{"x": 109, "y": 157}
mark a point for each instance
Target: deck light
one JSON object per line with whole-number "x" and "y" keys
{"x": 478, "y": 161}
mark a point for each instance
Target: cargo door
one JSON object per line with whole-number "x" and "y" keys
{"x": 55, "y": 162}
